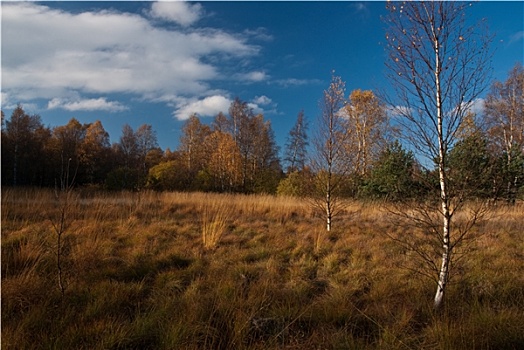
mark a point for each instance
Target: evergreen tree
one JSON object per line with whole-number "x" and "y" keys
{"x": 392, "y": 175}
{"x": 296, "y": 144}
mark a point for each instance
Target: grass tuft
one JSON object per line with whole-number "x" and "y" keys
{"x": 215, "y": 220}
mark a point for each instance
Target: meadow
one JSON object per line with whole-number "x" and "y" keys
{"x": 219, "y": 271}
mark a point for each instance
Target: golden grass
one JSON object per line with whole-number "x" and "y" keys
{"x": 215, "y": 221}
{"x": 212, "y": 271}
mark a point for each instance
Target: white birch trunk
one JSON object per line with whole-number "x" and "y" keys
{"x": 446, "y": 253}
{"x": 426, "y": 42}
{"x": 446, "y": 257}
{"x": 329, "y": 213}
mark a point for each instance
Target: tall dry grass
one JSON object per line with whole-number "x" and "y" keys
{"x": 137, "y": 277}
{"x": 215, "y": 222}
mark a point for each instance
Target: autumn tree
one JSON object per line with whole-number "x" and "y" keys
{"x": 224, "y": 162}
{"x": 167, "y": 176}
{"x": 24, "y": 140}
{"x": 132, "y": 152}
{"x": 67, "y": 141}
{"x": 296, "y": 145}
{"x": 264, "y": 170}
{"x": 237, "y": 125}
{"x": 367, "y": 127}
{"x": 242, "y": 128}
{"x": 330, "y": 162}
{"x": 147, "y": 143}
{"x": 296, "y": 184}
{"x": 438, "y": 65}
{"x": 95, "y": 153}
{"x": 193, "y": 147}
{"x": 504, "y": 117}
{"x": 221, "y": 123}
{"x": 128, "y": 147}
{"x": 255, "y": 141}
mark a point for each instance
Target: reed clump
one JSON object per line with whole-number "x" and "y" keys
{"x": 216, "y": 217}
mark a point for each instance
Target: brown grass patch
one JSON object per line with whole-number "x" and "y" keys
{"x": 196, "y": 270}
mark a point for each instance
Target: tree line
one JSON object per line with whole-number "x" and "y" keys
{"x": 354, "y": 144}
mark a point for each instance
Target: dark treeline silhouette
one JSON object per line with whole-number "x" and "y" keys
{"x": 238, "y": 153}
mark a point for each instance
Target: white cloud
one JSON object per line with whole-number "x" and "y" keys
{"x": 6, "y": 103}
{"x": 477, "y": 106}
{"x": 49, "y": 53}
{"x": 4, "y": 99}
{"x": 256, "y": 108}
{"x": 262, "y": 100}
{"x": 252, "y": 77}
{"x": 207, "y": 107}
{"x": 398, "y": 111}
{"x": 263, "y": 104}
{"x": 260, "y": 33}
{"x": 179, "y": 12}
{"x": 212, "y": 105}
{"x": 297, "y": 82}
{"x": 94, "y": 104}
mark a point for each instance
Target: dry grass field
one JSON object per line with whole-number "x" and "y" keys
{"x": 209, "y": 271}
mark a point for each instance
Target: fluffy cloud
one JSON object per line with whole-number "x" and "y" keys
{"x": 212, "y": 105}
{"x": 262, "y": 100}
{"x": 477, "y": 106}
{"x": 94, "y": 104}
{"x": 4, "y": 99}
{"x": 263, "y": 104}
{"x": 53, "y": 54}
{"x": 179, "y": 12}
{"x": 207, "y": 107}
{"x": 7, "y": 103}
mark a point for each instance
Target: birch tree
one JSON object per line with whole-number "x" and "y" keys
{"x": 255, "y": 141}
{"x": 67, "y": 141}
{"x": 438, "y": 65}
{"x": 128, "y": 147}
{"x": 94, "y": 152}
{"x": 132, "y": 150}
{"x": 193, "y": 145}
{"x": 367, "y": 124}
{"x": 504, "y": 116}
{"x": 330, "y": 161}
{"x": 224, "y": 162}
{"x": 264, "y": 171}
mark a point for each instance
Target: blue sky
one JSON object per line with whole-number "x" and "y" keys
{"x": 156, "y": 63}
